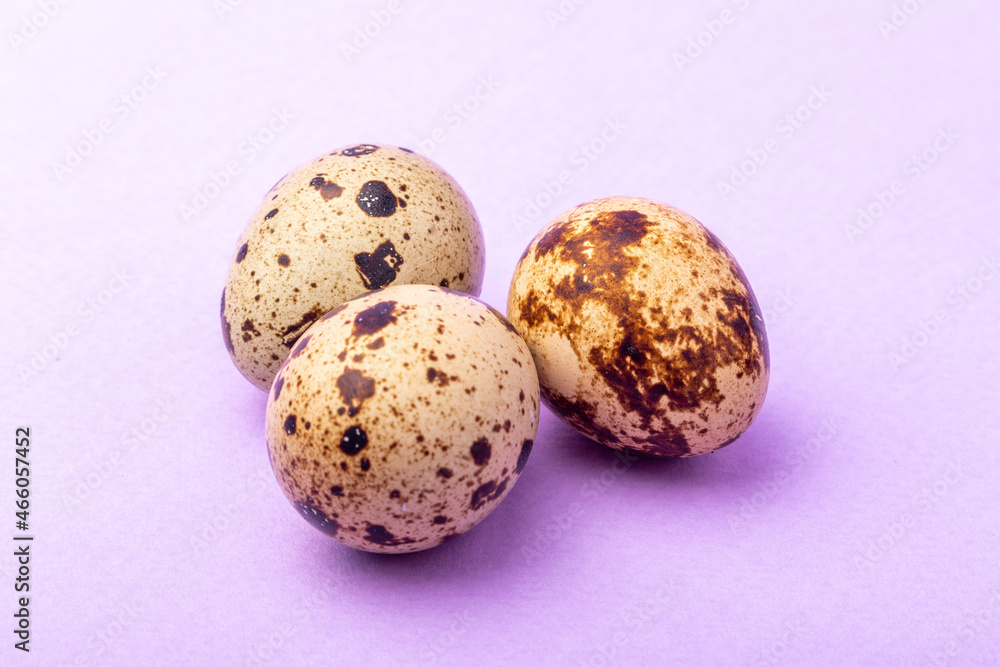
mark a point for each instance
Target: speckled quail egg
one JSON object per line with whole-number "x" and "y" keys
{"x": 403, "y": 417}
{"x": 644, "y": 329}
{"x": 354, "y": 220}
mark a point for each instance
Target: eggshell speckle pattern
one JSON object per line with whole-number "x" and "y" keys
{"x": 403, "y": 417}
{"x": 360, "y": 218}
{"x": 644, "y": 329}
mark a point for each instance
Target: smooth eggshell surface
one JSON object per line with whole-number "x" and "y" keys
{"x": 644, "y": 329}
{"x": 354, "y": 220}
{"x": 403, "y": 418}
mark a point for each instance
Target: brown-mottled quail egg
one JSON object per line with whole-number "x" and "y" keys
{"x": 345, "y": 223}
{"x": 644, "y": 330}
{"x": 403, "y": 417}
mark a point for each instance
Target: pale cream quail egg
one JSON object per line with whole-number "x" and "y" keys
{"x": 403, "y": 417}
{"x": 354, "y": 220}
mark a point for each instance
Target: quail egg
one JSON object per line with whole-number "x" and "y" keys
{"x": 402, "y": 418}
{"x": 354, "y": 220}
{"x": 644, "y": 329}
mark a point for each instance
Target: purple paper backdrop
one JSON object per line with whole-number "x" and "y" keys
{"x": 855, "y": 523}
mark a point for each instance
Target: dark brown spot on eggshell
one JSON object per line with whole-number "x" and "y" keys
{"x": 291, "y": 333}
{"x": 376, "y": 199}
{"x": 354, "y": 388}
{"x": 353, "y": 441}
{"x": 284, "y": 260}
{"x": 374, "y": 318}
{"x": 378, "y": 268}
{"x": 535, "y": 311}
{"x": 487, "y": 492}
{"x": 379, "y": 535}
{"x": 326, "y": 189}
{"x": 242, "y": 253}
{"x": 480, "y": 451}
{"x": 317, "y": 518}
{"x": 289, "y": 425}
{"x": 249, "y": 331}
{"x": 522, "y": 458}
{"x": 666, "y": 441}
{"x": 360, "y": 150}
{"x": 439, "y": 377}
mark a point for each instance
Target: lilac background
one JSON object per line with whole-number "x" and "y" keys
{"x": 178, "y": 546}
